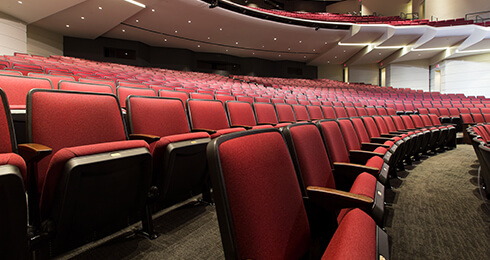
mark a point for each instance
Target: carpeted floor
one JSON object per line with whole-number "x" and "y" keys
{"x": 437, "y": 213}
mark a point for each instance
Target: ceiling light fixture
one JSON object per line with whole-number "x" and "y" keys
{"x": 153, "y": 10}
{"x": 83, "y": 18}
{"x": 123, "y": 30}
{"x": 389, "y": 47}
{"x": 100, "y": 7}
{"x": 470, "y": 51}
{"x": 67, "y": 26}
{"x": 431, "y": 49}
{"x": 20, "y": 2}
{"x": 136, "y": 3}
{"x": 353, "y": 44}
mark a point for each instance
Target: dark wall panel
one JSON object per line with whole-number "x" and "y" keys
{"x": 139, "y": 54}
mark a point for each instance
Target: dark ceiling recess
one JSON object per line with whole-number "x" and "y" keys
{"x": 290, "y": 5}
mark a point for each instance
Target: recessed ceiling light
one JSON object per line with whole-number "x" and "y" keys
{"x": 165, "y": 39}
{"x": 153, "y": 10}
{"x": 326, "y": 42}
{"x": 419, "y": 54}
{"x": 20, "y": 2}
{"x": 226, "y": 49}
{"x": 236, "y": 42}
{"x": 189, "y": 21}
{"x": 137, "y": 20}
{"x": 279, "y": 55}
{"x": 300, "y": 41}
{"x": 176, "y": 31}
{"x": 275, "y": 39}
{"x": 209, "y": 38}
{"x": 123, "y": 30}
{"x": 198, "y": 46}
{"x": 314, "y": 50}
{"x": 379, "y": 53}
{"x": 304, "y": 57}
{"x": 344, "y": 50}
{"x": 67, "y": 26}
{"x": 253, "y": 53}
{"x": 263, "y": 46}
{"x": 328, "y": 61}
{"x": 221, "y": 29}
{"x": 83, "y": 18}
{"x": 100, "y": 7}
{"x": 335, "y": 57}
{"x": 289, "y": 49}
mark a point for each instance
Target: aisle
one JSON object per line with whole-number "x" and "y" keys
{"x": 438, "y": 212}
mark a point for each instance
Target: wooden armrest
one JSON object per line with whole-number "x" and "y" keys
{"x": 352, "y": 170}
{"x": 244, "y": 126}
{"x": 209, "y": 131}
{"x": 372, "y": 146}
{"x": 359, "y": 156}
{"x": 388, "y": 135}
{"x": 147, "y": 138}
{"x": 272, "y": 124}
{"x": 335, "y": 199}
{"x": 32, "y": 152}
{"x": 381, "y": 139}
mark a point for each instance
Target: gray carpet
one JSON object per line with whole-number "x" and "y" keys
{"x": 438, "y": 212}
{"x": 189, "y": 231}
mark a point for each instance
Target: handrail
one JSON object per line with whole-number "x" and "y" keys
{"x": 478, "y": 15}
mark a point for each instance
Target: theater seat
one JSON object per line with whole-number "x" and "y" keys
{"x": 241, "y": 114}
{"x": 260, "y": 208}
{"x": 350, "y": 163}
{"x": 13, "y": 205}
{"x": 209, "y": 116}
{"x": 87, "y": 179}
{"x": 179, "y": 156}
{"x": 266, "y": 114}
{"x": 313, "y": 168}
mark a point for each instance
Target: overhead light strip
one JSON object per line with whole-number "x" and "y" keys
{"x": 470, "y": 51}
{"x": 136, "y": 3}
{"x": 431, "y": 49}
{"x": 353, "y": 44}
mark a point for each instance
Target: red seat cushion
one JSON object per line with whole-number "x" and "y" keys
{"x": 15, "y": 160}
{"x": 355, "y": 238}
{"x": 375, "y": 161}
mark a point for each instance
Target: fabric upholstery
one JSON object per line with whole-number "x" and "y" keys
{"x": 17, "y": 88}
{"x": 85, "y": 87}
{"x": 264, "y": 197}
{"x": 240, "y": 113}
{"x": 301, "y": 113}
{"x": 285, "y": 113}
{"x": 15, "y": 160}
{"x": 265, "y": 113}
{"x": 315, "y": 112}
{"x": 355, "y": 238}
{"x": 207, "y": 114}
{"x": 124, "y": 92}
{"x": 328, "y": 112}
{"x": 335, "y": 142}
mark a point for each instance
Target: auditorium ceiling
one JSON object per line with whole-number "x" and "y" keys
{"x": 193, "y": 25}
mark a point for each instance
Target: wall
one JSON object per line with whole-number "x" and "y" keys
{"x": 12, "y": 34}
{"x": 393, "y": 8}
{"x": 411, "y": 74}
{"x": 368, "y": 74}
{"x": 43, "y": 42}
{"x": 330, "y": 72}
{"x": 468, "y": 75}
{"x": 182, "y": 59}
{"x": 343, "y": 7}
{"x": 454, "y": 8}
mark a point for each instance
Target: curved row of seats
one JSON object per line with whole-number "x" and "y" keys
{"x": 480, "y": 139}
{"x": 80, "y": 159}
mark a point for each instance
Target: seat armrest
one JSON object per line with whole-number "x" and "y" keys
{"x": 388, "y": 135}
{"x": 359, "y": 156}
{"x": 352, "y": 170}
{"x": 209, "y": 131}
{"x": 272, "y": 124}
{"x": 147, "y": 138}
{"x": 381, "y": 139}
{"x": 372, "y": 146}
{"x": 247, "y": 127}
{"x": 32, "y": 152}
{"x": 332, "y": 199}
